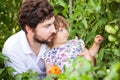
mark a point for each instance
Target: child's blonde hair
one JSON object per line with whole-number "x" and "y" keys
{"x": 60, "y": 21}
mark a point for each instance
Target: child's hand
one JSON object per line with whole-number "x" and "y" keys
{"x": 98, "y": 39}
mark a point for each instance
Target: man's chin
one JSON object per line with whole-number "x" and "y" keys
{"x": 50, "y": 40}
{"x": 46, "y": 41}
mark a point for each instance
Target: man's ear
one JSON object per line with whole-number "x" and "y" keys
{"x": 28, "y": 29}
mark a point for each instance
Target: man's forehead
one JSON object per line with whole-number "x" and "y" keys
{"x": 49, "y": 21}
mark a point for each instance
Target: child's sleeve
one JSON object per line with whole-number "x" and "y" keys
{"x": 81, "y": 45}
{"x": 47, "y": 57}
{"x": 77, "y": 45}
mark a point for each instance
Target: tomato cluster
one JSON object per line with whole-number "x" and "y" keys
{"x": 112, "y": 30}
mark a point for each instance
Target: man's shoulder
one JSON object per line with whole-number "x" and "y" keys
{"x": 12, "y": 41}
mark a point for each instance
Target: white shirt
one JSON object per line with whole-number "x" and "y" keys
{"x": 21, "y": 56}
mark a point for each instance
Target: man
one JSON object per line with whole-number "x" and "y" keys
{"x": 25, "y": 48}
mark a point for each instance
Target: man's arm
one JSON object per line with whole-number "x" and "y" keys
{"x": 15, "y": 63}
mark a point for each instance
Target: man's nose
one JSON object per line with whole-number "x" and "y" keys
{"x": 53, "y": 29}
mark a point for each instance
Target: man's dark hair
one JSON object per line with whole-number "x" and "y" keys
{"x": 33, "y": 12}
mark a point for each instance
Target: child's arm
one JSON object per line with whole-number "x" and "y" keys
{"x": 87, "y": 55}
{"x": 90, "y": 54}
{"x": 48, "y": 67}
{"x": 95, "y": 47}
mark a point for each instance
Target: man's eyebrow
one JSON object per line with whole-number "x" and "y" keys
{"x": 47, "y": 25}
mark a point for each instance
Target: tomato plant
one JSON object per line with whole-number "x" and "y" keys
{"x": 86, "y": 18}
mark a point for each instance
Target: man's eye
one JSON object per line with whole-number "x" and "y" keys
{"x": 47, "y": 26}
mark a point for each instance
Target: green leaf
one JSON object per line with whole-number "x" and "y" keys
{"x": 1, "y": 71}
{"x": 101, "y": 73}
{"x": 62, "y": 3}
{"x": 84, "y": 22}
{"x": 90, "y": 36}
{"x": 116, "y": 52}
{"x": 18, "y": 77}
{"x": 101, "y": 54}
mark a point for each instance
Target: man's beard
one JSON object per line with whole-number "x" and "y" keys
{"x": 43, "y": 41}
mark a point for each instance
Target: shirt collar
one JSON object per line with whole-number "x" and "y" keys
{"x": 24, "y": 43}
{"x": 26, "y": 48}
{"x": 43, "y": 50}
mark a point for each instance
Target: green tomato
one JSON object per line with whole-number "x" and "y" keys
{"x": 118, "y": 34}
{"x": 111, "y": 38}
{"x": 116, "y": 27}
{"x": 107, "y": 26}
{"x": 110, "y": 29}
{"x": 116, "y": 42}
